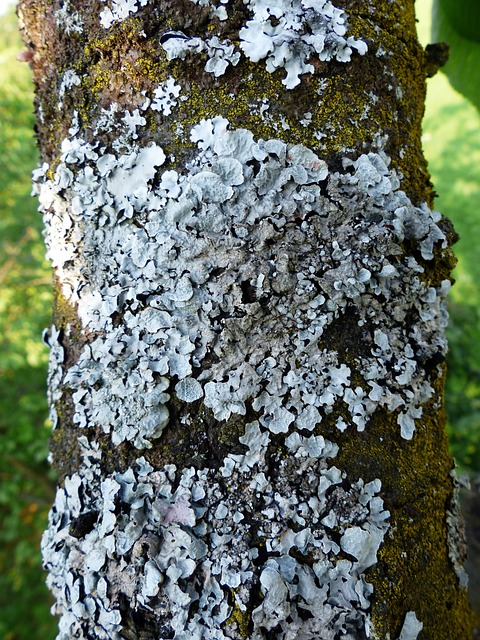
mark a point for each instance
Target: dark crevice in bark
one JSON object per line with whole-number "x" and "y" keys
{"x": 347, "y": 338}
{"x": 143, "y": 623}
{"x": 83, "y": 524}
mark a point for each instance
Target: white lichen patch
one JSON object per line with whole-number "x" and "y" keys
{"x": 67, "y": 20}
{"x": 55, "y": 371}
{"x": 122, "y": 125}
{"x": 286, "y": 33}
{"x": 220, "y": 53}
{"x": 119, "y": 10}
{"x": 228, "y": 273}
{"x": 69, "y": 80}
{"x": 165, "y": 97}
{"x": 295, "y": 531}
{"x": 411, "y": 627}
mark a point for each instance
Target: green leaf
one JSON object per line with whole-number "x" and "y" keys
{"x": 463, "y": 16}
{"x": 458, "y": 23}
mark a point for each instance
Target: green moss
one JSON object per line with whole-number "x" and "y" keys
{"x": 63, "y": 443}
{"x": 65, "y": 315}
{"x": 152, "y": 69}
{"x": 242, "y": 619}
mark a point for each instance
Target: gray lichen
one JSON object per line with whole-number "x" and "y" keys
{"x": 248, "y": 254}
{"x": 286, "y": 33}
{"x": 172, "y": 541}
{"x": 237, "y": 211}
{"x": 411, "y": 627}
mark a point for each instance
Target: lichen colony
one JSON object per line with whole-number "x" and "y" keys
{"x": 212, "y": 282}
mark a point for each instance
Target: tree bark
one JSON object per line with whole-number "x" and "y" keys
{"x": 247, "y": 349}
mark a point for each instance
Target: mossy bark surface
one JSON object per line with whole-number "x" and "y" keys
{"x": 342, "y": 112}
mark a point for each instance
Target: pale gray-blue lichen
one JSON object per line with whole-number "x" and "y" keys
{"x": 250, "y": 253}
{"x": 173, "y": 542}
{"x": 286, "y": 33}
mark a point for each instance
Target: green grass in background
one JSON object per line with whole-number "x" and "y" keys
{"x": 452, "y": 145}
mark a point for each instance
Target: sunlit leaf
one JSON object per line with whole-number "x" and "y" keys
{"x": 458, "y": 23}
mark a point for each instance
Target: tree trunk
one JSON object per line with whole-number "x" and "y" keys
{"x": 247, "y": 355}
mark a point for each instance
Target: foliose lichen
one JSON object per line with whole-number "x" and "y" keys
{"x": 286, "y": 33}
{"x": 411, "y": 627}
{"x": 189, "y": 259}
{"x": 172, "y": 542}
{"x": 119, "y": 10}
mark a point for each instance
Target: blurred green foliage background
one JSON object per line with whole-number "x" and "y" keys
{"x": 26, "y": 488}
{"x": 452, "y": 144}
